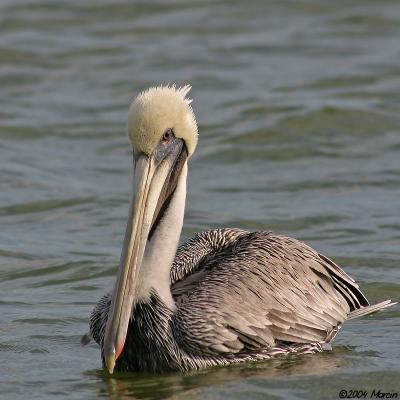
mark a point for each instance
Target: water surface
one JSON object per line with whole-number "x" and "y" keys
{"x": 298, "y": 107}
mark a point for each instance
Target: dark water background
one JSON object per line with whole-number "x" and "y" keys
{"x": 298, "y": 106}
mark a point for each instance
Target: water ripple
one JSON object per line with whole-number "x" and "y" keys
{"x": 299, "y": 132}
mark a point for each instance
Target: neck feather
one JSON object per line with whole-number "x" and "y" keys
{"x": 161, "y": 248}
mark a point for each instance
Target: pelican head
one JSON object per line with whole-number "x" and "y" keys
{"x": 157, "y": 111}
{"x": 163, "y": 133}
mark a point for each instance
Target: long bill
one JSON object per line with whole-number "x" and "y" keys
{"x": 154, "y": 183}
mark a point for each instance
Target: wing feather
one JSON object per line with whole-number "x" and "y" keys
{"x": 237, "y": 290}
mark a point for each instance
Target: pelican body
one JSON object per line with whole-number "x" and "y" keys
{"x": 226, "y": 295}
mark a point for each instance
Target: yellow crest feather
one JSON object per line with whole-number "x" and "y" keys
{"x": 157, "y": 109}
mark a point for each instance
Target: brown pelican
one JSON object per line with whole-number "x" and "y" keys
{"x": 226, "y": 295}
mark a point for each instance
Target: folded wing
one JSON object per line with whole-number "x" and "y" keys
{"x": 241, "y": 291}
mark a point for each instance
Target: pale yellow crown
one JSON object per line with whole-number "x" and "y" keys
{"x": 157, "y": 109}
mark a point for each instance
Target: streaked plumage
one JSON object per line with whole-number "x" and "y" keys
{"x": 236, "y": 295}
{"x": 240, "y": 296}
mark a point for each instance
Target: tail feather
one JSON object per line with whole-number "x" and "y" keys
{"x": 370, "y": 309}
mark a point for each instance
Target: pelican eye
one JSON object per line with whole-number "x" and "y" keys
{"x": 168, "y": 135}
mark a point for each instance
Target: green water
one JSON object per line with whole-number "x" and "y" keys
{"x": 298, "y": 107}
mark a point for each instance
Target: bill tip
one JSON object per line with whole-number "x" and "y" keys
{"x": 110, "y": 362}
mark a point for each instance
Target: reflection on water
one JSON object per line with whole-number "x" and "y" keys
{"x": 298, "y": 109}
{"x": 187, "y": 385}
